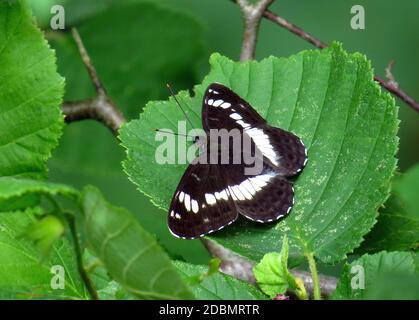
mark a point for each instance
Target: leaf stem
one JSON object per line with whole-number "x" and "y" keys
{"x": 314, "y": 276}
{"x": 85, "y": 277}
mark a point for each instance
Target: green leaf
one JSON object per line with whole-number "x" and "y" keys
{"x": 406, "y": 187}
{"x": 271, "y": 272}
{"x": 395, "y": 230}
{"x": 397, "y": 225}
{"x": 44, "y": 233}
{"x": 25, "y": 272}
{"x": 151, "y": 46}
{"x": 218, "y": 286}
{"x": 11, "y": 187}
{"x": 329, "y": 99}
{"x": 384, "y": 275}
{"x": 130, "y": 254}
{"x": 17, "y": 194}
{"x": 31, "y": 91}
{"x": 106, "y": 288}
{"x": 273, "y": 276}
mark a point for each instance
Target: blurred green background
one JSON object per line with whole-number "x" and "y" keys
{"x": 138, "y": 46}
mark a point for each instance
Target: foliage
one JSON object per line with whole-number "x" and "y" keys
{"x": 344, "y": 198}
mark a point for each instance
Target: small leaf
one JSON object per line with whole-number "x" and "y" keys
{"x": 130, "y": 254}
{"x": 327, "y": 98}
{"x": 369, "y": 277}
{"x": 273, "y": 276}
{"x": 218, "y": 286}
{"x": 44, "y": 233}
{"x": 213, "y": 267}
{"x": 31, "y": 93}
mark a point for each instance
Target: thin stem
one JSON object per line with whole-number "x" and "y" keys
{"x": 100, "y": 108}
{"x": 388, "y": 85}
{"x": 88, "y": 63}
{"x": 314, "y": 276}
{"x": 79, "y": 259}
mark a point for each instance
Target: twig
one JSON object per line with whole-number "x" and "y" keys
{"x": 389, "y": 74}
{"x": 101, "y": 107}
{"x": 389, "y": 85}
{"x": 241, "y": 268}
{"x": 252, "y": 14}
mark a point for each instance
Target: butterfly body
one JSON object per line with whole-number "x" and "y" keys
{"x": 223, "y": 183}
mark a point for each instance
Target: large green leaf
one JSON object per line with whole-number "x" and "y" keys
{"x": 30, "y": 94}
{"x": 385, "y": 275}
{"x": 327, "y": 98}
{"x": 151, "y": 45}
{"x": 218, "y": 286}
{"x": 130, "y": 254}
{"x": 24, "y": 272}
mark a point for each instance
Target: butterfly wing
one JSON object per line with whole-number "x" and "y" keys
{"x": 201, "y": 204}
{"x": 224, "y": 109}
{"x": 263, "y": 197}
{"x": 284, "y": 150}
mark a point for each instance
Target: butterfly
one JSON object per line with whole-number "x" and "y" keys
{"x": 211, "y": 196}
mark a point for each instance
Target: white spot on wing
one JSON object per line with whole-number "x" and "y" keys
{"x": 181, "y": 196}
{"x": 217, "y": 102}
{"x": 195, "y": 206}
{"x": 235, "y": 116}
{"x": 187, "y": 202}
{"x": 210, "y": 199}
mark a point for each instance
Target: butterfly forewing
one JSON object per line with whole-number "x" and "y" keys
{"x": 202, "y": 203}
{"x": 223, "y": 109}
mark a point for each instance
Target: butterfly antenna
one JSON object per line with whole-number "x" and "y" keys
{"x": 174, "y": 133}
{"x": 178, "y": 103}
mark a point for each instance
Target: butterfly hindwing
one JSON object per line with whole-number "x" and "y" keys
{"x": 263, "y": 197}
{"x": 201, "y": 204}
{"x": 282, "y": 148}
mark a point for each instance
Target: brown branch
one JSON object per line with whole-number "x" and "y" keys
{"x": 100, "y": 108}
{"x": 241, "y": 268}
{"x": 389, "y": 85}
{"x": 252, "y": 14}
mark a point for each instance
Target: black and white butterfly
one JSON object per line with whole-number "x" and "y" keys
{"x": 211, "y": 196}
